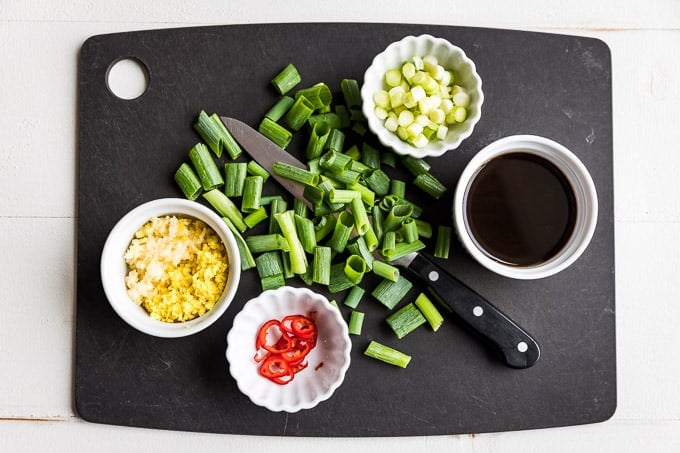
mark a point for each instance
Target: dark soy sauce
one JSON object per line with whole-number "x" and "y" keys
{"x": 521, "y": 209}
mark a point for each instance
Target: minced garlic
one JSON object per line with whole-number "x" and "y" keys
{"x": 177, "y": 268}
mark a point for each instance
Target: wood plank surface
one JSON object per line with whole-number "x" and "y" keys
{"x": 41, "y": 40}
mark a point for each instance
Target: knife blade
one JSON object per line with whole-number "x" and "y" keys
{"x": 517, "y": 347}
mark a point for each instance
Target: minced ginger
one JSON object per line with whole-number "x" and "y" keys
{"x": 177, "y": 268}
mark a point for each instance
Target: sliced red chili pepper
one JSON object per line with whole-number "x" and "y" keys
{"x": 299, "y": 350}
{"x": 280, "y": 360}
{"x": 285, "y": 379}
{"x": 298, "y": 367}
{"x": 274, "y": 366}
{"x": 300, "y": 325}
{"x": 281, "y": 344}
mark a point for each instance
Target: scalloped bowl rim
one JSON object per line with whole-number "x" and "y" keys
{"x": 384, "y": 61}
{"x": 275, "y": 304}
{"x": 113, "y": 267}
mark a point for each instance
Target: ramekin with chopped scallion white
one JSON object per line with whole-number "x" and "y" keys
{"x": 422, "y": 96}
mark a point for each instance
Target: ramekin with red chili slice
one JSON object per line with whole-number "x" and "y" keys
{"x": 288, "y": 349}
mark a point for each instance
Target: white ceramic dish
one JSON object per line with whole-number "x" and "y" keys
{"x": 449, "y": 56}
{"x": 584, "y": 191}
{"x": 327, "y": 362}
{"x": 114, "y": 269}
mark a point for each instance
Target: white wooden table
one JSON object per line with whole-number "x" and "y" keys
{"x": 40, "y": 42}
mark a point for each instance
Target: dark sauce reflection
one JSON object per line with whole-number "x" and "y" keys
{"x": 521, "y": 209}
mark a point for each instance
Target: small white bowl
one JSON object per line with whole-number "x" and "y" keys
{"x": 327, "y": 362}
{"x": 580, "y": 181}
{"x": 449, "y": 56}
{"x": 114, "y": 269}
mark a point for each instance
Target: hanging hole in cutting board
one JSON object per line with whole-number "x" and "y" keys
{"x": 127, "y": 78}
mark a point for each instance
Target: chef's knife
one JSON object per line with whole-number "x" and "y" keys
{"x": 518, "y": 348}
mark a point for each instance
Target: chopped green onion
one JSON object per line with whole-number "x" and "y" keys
{"x": 359, "y": 166}
{"x": 275, "y": 132}
{"x": 355, "y": 268}
{"x": 347, "y": 177}
{"x": 387, "y": 354}
{"x": 371, "y": 239}
{"x": 306, "y": 233}
{"x": 353, "y": 153}
{"x": 326, "y": 185}
{"x": 300, "y": 208}
{"x": 319, "y": 95}
{"x": 256, "y": 169}
{"x": 317, "y": 140}
{"x": 296, "y": 174}
{"x": 359, "y": 128}
{"x": 378, "y": 220}
{"x": 234, "y": 178}
{"x": 360, "y": 215}
{"x": 205, "y": 166}
{"x": 410, "y": 230}
{"x": 384, "y": 270}
{"x": 277, "y": 205}
{"x": 287, "y": 79}
{"x": 335, "y": 162}
{"x": 225, "y": 207}
{"x": 358, "y": 247}
{"x": 188, "y": 181}
{"x": 427, "y": 308}
{"x": 351, "y": 92}
{"x": 379, "y": 182}
{"x": 247, "y": 260}
{"x": 299, "y": 113}
{"x": 212, "y": 131}
{"x": 255, "y": 217}
{"x": 267, "y": 200}
{"x": 322, "y": 265}
{"x": 388, "y": 159}
{"x": 298, "y": 259}
{"x": 308, "y": 276}
{"x": 336, "y": 141}
{"x": 252, "y": 192}
{"x": 314, "y": 195}
{"x": 356, "y": 322}
{"x": 390, "y": 293}
{"x": 396, "y": 216}
{"x": 370, "y": 156}
{"x": 341, "y": 231}
{"x": 443, "y": 243}
{"x": 405, "y": 320}
{"x": 332, "y": 119}
{"x": 367, "y": 195}
{"x": 280, "y": 108}
{"x": 424, "y": 228}
{"x": 287, "y": 271}
{"x": 354, "y": 296}
{"x": 430, "y": 185}
{"x": 404, "y": 248}
{"x": 270, "y": 270}
{"x": 338, "y": 280}
{"x": 398, "y": 188}
{"x": 342, "y": 195}
{"x": 389, "y": 243}
{"x": 415, "y": 165}
{"x": 323, "y": 226}
{"x": 343, "y": 116}
{"x": 260, "y": 243}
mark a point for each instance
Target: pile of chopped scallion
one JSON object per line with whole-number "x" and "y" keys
{"x": 360, "y": 218}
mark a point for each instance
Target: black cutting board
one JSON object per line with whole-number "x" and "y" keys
{"x": 551, "y": 85}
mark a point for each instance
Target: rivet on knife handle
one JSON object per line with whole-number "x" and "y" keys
{"x": 518, "y": 348}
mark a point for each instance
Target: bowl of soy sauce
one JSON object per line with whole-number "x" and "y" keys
{"x": 525, "y": 207}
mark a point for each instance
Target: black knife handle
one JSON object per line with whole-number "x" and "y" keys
{"x": 519, "y": 349}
